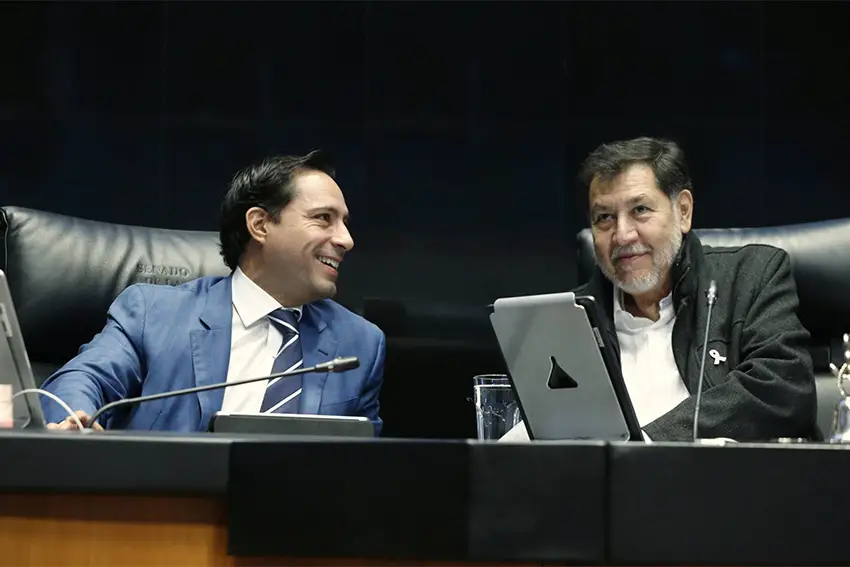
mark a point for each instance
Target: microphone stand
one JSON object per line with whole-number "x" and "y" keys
{"x": 711, "y": 296}
{"x": 336, "y": 365}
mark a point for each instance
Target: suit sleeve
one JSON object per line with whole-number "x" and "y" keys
{"x": 771, "y": 393}
{"x": 370, "y": 405}
{"x": 108, "y": 368}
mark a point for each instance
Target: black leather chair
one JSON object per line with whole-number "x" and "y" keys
{"x": 64, "y": 272}
{"x": 820, "y": 258}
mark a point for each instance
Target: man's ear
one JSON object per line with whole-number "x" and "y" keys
{"x": 684, "y": 204}
{"x": 256, "y": 220}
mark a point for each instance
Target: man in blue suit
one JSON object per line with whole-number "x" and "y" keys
{"x": 284, "y": 234}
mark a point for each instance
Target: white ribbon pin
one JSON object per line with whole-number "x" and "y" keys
{"x": 718, "y": 358}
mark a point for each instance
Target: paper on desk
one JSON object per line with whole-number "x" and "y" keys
{"x": 7, "y": 415}
{"x": 517, "y": 434}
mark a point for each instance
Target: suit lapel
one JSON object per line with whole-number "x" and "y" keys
{"x": 211, "y": 347}
{"x": 318, "y": 344}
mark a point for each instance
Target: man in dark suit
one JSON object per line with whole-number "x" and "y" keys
{"x": 284, "y": 233}
{"x": 651, "y": 279}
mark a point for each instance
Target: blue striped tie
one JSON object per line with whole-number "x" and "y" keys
{"x": 282, "y": 393}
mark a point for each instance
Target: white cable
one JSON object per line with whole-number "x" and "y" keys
{"x": 56, "y": 399}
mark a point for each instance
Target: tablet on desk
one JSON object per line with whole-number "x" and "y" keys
{"x": 292, "y": 424}
{"x": 564, "y": 372}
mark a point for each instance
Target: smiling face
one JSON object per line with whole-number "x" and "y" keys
{"x": 637, "y": 230}
{"x": 301, "y": 253}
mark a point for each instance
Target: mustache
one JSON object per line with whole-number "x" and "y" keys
{"x": 630, "y": 250}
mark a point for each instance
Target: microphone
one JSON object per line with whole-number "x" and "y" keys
{"x": 711, "y": 298}
{"x": 339, "y": 364}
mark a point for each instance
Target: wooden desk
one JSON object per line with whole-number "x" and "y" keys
{"x": 73, "y": 530}
{"x": 112, "y": 501}
{"x": 150, "y": 499}
{"x": 138, "y": 501}
{"x": 96, "y": 529}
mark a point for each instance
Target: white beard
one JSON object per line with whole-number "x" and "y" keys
{"x": 662, "y": 259}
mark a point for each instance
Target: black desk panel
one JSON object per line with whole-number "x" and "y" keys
{"x": 418, "y": 500}
{"x": 348, "y": 499}
{"x": 541, "y": 505}
{"x": 113, "y": 462}
{"x": 680, "y": 504}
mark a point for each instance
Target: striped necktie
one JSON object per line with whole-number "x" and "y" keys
{"x": 282, "y": 394}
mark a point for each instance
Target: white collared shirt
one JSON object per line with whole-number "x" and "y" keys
{"x": 646, "y": 356}
{"x": 253, "y": 344}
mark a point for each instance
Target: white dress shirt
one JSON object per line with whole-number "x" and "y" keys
{"x": 253, "y": 344}
{"x": 646, "y": 357}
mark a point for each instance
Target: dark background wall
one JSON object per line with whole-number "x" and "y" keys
{"x": 457, "y": 129}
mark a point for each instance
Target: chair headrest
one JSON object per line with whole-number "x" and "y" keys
{"x": 820, "y": 259}
{"x": 64, "y": 272}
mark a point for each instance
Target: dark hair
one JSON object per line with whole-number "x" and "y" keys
{"x": 269, "y": 185}
{"x": 665, "y": 157}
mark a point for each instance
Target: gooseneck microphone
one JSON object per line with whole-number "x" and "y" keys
{"x": 711, "y": 298}
{"x": 336, "y": 365}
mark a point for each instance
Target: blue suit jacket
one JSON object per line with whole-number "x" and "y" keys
{"x": 161, "y": 338}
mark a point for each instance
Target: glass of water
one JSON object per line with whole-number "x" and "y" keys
{"x": 496, "y": 408}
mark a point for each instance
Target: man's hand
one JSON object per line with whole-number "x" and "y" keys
{"x": 71, "y": 423}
